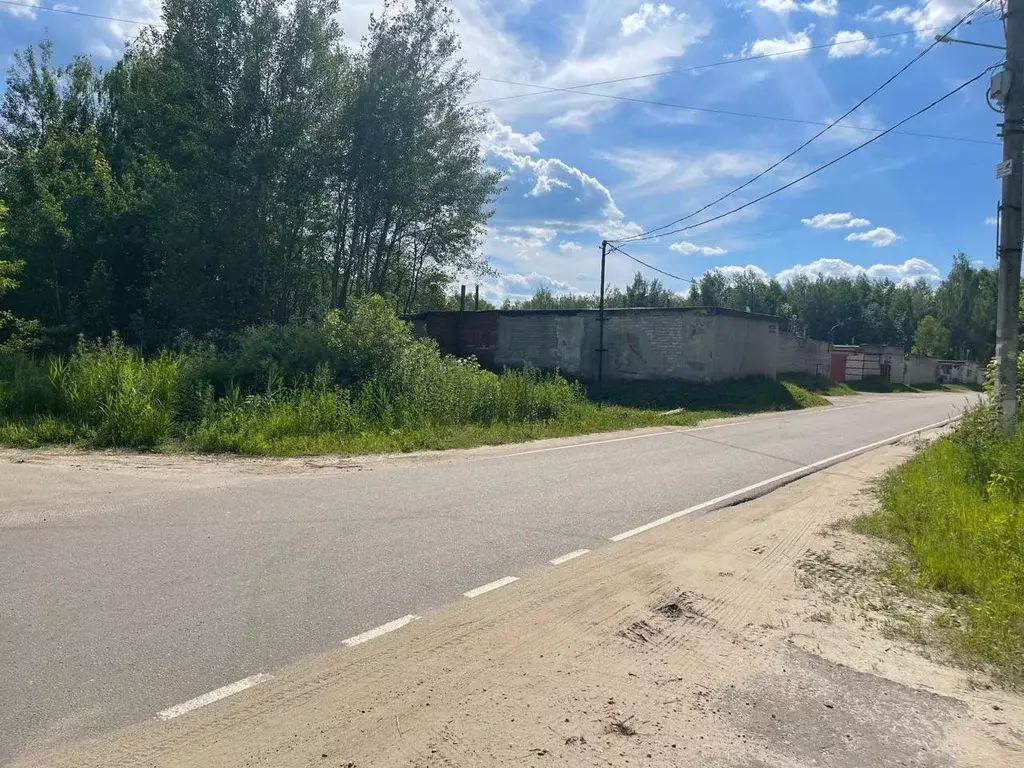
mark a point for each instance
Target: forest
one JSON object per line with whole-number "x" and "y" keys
{"x": 240, "y": 166}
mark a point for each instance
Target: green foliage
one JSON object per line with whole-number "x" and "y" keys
{"x": 123, "y": 398}
{"x": 957, "y": 506}
{"x": 16, "y": 335}
{"x": 242, "y": 167}
{"x": 931, "y": 338}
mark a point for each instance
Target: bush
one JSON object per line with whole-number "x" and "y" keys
{"x": 25, "y": 387}
{"x": 258, "y": 355}
{"x": 259, "y": 424}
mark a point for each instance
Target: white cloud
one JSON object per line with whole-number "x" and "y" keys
{"x": 991, "y": 221}
{"x": 779, "y": 6}
{"x": 853, "y": 43}
{"x": 550, "y": 193}
{"x": 598, "y": 42}
{"x": 516, "y": 285}
{"x": 926, "y": 16}
{"x": 657, "y": 172}
{"x": 822, "y": 7}
{"x": 880, "y": 237}
{"x": 526, "y": 238}
{"x": 22, "y": 11}
{"x": 691, "y": 249}
{"x": 502, "y": 140}
{"x": 817, "y": 7}
{"x": 796, "y": 45}
{"x": 835, "y": 221}
{"x": 569, "y": 246}
{"x": 907, "y": 272}
{"x": 732, "y": 271}
{"x": 644, "y": 18}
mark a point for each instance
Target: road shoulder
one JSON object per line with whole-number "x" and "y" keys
{"x": 708, "y": 641}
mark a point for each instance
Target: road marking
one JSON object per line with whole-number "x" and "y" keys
{"x": 570, "y": 556}
{"x": 383, "y": 629}
{"x": 772, "y": 483}
{"x": 490, "y": 587}
{"x": 212, "y": 696}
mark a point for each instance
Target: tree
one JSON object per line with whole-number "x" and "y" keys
{"x": 931, "y": 338}
{"x": 15, "y": 334}
{"x": 241, "y": 166}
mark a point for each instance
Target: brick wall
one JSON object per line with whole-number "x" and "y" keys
{"x": 797, "y": 355}
{"x": 691, "y": 344}
{"x": 660, "y": 344}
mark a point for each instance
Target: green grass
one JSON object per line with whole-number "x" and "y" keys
{"x": 726, "y": 398}
{"x": 307, "y": 421}
{"x": 956, "y": 511}
{"x": 819, "y": 385}
{"x": 873, "y": 384}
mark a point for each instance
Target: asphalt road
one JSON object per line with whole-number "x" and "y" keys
{"x": 124, "y": 592}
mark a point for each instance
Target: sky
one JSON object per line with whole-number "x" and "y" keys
{"x": 580, "y": 168}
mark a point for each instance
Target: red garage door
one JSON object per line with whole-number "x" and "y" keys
{"x": 837, "y": 370}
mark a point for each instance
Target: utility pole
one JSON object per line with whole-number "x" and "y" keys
{"x": 1008, "y": 89}
{"x": 600, "y": 314}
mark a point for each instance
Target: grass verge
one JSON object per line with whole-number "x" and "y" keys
{"x": 303, "y": 422}
{"x": 873, "y": 384}
{"x": 743, "y": 396}
{"x": 956, "y": 512}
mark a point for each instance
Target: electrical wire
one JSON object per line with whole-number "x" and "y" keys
{"x": 776, "y": 118}
{"x": 70, "y": 12}
{"x": 541, "y": 89}
{"x": 964, "y": 19}
{"x": 817, "y": 170}
{"x": 650, "y": 266}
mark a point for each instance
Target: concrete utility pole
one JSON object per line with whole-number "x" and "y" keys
{"x": 1008, "y": 88}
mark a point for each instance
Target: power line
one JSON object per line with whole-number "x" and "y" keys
{"x": 793, "y": 120}
{"x": 541, "y": 89}
{"x": 823, "y": 131}
{"x": 650, "y": 266}
{"x": 817, "y": 170}
{"x": 69, "y": 12}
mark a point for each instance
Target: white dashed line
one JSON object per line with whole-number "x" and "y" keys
{"x": 383, "y": 629}
{"x": 212, "y": 696}
{"x": 570, "y": 556}
{"x": 492, "y": 586}
{"x": 758, "y": 489}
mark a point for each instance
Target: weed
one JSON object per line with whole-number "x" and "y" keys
{"x": 956, "y": 508}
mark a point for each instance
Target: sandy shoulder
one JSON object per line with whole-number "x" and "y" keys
{"x": 707, "y": 642}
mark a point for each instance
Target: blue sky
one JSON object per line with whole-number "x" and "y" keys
{"x": 582, "y": 167}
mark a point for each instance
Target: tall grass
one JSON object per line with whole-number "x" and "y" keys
{"x": 957, "y": 507}
{"x": 107, "y": 393}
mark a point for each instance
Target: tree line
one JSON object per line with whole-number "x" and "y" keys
{"x": 240, "y": 166}
{"x": 956, "y": 319}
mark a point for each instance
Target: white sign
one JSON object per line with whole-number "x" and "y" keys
{"x": 1004, "y": 169}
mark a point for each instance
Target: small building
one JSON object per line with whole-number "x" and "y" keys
{"x": 856, "y": 362}
{"x": 689, "y": 343}
{"x": 959, "y": 372}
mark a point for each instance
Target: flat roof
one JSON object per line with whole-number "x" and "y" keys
{"x": 587, "y": 310}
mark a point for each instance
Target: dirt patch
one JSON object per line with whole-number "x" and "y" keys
{"x": 605, "y": 661}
